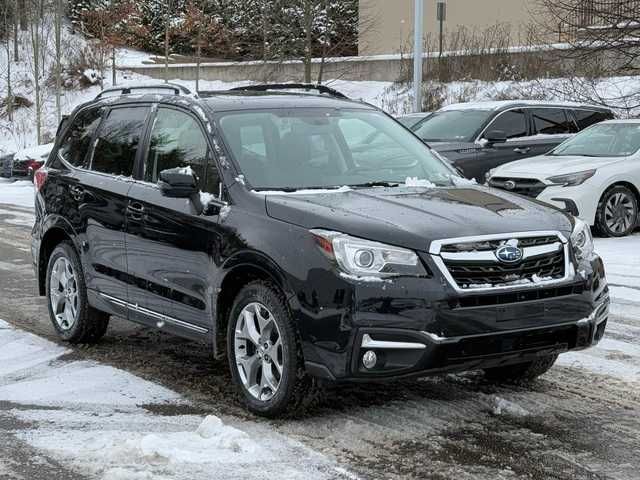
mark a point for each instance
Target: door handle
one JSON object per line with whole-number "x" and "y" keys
{"x": 77, "y": 193}
{"x": 136, "y": 210}
{"x": 522, "y": 149}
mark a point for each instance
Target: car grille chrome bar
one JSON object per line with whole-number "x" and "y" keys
{"x": 470, "y": 264}
{"x": 529, "y": 187}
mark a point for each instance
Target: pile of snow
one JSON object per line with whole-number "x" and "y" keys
{"x": 502, "y": 406}
{"x": 20, "y": 193}
{"x": 91, "y": 76}
{"x": 418, "y": 182}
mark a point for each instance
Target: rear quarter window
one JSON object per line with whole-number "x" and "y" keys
{"x": 586, "y": 118}
{"x": 75, "y": 145}
{"x": 552, "y": 121}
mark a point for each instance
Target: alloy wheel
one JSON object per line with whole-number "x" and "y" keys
{"x": 258, "y": 351}
{"x": 620, "y": 213}
{"x": 63, "y": 293}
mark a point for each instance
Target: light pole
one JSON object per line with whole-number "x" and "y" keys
{"x": 418, "y": 27}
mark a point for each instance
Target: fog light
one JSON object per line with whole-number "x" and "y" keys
{"x": 369, "y": 359}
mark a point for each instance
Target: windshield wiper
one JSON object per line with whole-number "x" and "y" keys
{"x": 380, "y": 183}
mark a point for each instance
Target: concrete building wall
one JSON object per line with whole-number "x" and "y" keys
{"x": 387, "y": 25}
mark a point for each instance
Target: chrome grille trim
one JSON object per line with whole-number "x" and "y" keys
{"x": 438, "y": 257}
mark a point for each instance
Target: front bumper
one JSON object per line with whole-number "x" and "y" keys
{"x": 410, "y": 353}
{"x": 422, "y": 327}
{"x": 583, "y": 199}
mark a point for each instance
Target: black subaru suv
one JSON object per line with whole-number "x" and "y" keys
{"x": 477, "y": 137}
{"x": 264, "y": 223}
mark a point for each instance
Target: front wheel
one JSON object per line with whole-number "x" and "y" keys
{"x": 521, "y": 372}
{"x": 617, "y": 212}
{"x": 264, "y": 353}
{"x": 72, "y": 317}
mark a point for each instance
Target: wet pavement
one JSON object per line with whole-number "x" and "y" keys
{"x": 570, "y": 424}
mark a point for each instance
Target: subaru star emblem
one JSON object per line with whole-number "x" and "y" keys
{"x": 510, "y": 185}
{"x": 509, "y": 254}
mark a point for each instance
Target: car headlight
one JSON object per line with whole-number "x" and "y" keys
{"x": 364, "y": 258}
{"x": 489, "y": 174}
{"x": 581, "y": 240}
{"x": 572, "y": 179}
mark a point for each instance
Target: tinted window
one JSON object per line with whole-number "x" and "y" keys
{"x": 513, "y": 123}
{"x": 177, "y": 141}
{"x": 586, "y": 118}
{"x": 552, "y": 121}
{"x": 452, "y": 125}
{"x": 76, "y": 143}
{"x": 117, "y": 144}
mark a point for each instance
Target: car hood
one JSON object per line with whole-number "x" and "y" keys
{"x": 546, "y": 166}
{"x": 413, "y": 217}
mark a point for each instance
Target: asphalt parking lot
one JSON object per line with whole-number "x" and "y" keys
{"x": 579, "y": 421}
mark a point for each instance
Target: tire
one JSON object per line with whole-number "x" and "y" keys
{"x": 259, "y": 307}
{"x": 618, "y": 204}
{"x": 521, "y": 372}
{"x": 74, "y": 320}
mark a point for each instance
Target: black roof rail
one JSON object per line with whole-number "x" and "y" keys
{"x": 291, "y": 86}
{"x": 175, "y": 89}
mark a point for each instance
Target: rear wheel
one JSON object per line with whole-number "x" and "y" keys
{"x": 72, "y": 317}
{"x": 617, "y": 213}
{"x": 521, "y": 372}
{"x": 265, "y": 354}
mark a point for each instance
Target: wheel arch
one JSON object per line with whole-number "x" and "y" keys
{"x": 620, "y": 183}
{"x": 238, "y": 272}
{"x": 56, "y": 230}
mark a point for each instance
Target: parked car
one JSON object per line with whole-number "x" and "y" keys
{"x": 26, "y": 162}
{"x": 411, "y": 119}
{"x": 257, "y": 221}
{"x": 5, "y": 165}
{"x": 594, "y": 175}
{"x": 476, "y": 137}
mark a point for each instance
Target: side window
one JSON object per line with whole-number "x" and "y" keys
{"x": 512, "y": 122}
{"x": 76, "y": 142}
{"x": 117, "y": 143}
{"x": 552, "y": 121}
{"x": 178, "y": 141}
{"x": 586, "y": 118}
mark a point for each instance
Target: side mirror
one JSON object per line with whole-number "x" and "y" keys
{"x": 178, "y": 182}
{"x": 495, "y": 136}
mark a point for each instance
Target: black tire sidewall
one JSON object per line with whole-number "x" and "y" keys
{"x": 66, "y": 250}
{"x": 268, "y": 296}
{"x": 601, "y": 222}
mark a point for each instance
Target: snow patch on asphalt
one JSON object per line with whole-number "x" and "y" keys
{"x": 502, "y": 406}
{"x": 19, "y": 192}
{"x": 96, "y": 422}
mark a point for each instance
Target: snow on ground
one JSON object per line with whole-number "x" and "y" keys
{"x": 618, "y": 353}
{"x": 19, "y": 192}
{"x": 92, "y": 417}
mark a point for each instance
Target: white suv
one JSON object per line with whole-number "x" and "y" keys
{"x": 595, "y": 176}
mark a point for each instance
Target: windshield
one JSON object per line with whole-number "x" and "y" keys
{"x": 452, "y": 125}
{"x": 298, "y": 148}
{"x": 603, "y": 140}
